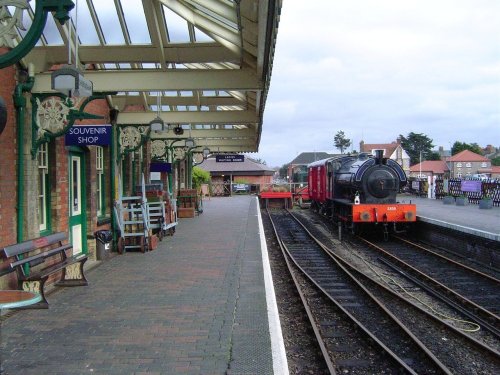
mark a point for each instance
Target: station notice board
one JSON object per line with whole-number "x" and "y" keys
{"x": 229, "y": 158}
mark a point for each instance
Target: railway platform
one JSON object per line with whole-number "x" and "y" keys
{"x": 468, "y": 219}
{"x": 201, "y": 303}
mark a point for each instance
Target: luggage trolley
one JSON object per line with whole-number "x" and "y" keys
{"x": 132, "y": 218}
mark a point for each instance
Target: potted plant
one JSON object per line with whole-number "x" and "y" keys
{"x": 449, "y": 199}
{"x": 462, "y": 200}
{"x": 486, "y": 203}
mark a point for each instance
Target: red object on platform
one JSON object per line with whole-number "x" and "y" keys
{"x": 276, "y": 194}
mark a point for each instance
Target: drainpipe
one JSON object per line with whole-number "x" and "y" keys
{"x": 113, "y": 115}
{"x": 20, "y": 104}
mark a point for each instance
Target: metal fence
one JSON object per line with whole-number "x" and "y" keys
{"x": 454, "y": 187}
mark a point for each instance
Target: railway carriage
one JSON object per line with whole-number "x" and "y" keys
{"x": 359, "y": 191}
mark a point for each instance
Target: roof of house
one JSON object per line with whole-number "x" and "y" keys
{"x": 247, "y": 166}
{"x": 309, "y": 157}
{"x": 467, "y": 155}
{"x": 434, "y": 166}
{"x": 388, "y": 148}
{"x": 495, "y": 169}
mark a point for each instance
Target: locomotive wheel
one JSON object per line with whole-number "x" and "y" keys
{"x": 121, "y": 245}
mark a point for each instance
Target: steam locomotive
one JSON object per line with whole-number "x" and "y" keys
{"x": 360, "y": 191}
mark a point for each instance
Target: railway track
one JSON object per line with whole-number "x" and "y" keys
{"x": 467, "y": 290}
{"x": 392, "y": 347}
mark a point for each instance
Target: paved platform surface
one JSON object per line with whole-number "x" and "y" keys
{"x": 469, "y": 219}
{"x": 195, "y": 305}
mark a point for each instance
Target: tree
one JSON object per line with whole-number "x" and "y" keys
{"x": 461, "y": 146}
{"x": 416, "y": 143}
{"x": 284, "y": 170}
{"x": 260, "y": 161}
{"x": 495, "y": 161}
{"x": 341, "y": 142}
{"x": 200, "y": 176}
{"x": 433, "y": 155}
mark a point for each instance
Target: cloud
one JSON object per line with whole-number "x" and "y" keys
{"x": 379, "y": 69}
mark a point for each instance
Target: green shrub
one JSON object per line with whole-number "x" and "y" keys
{"x": 200, "y": 176}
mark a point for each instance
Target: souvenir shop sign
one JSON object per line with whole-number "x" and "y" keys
{"x": 89, "y": 135}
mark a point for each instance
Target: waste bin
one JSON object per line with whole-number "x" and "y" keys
{"x": 103, "y": 242}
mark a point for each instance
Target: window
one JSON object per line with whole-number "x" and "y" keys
{"x": 43, "y": 188}
{"x": 468, "y": 165}
{"x": 459, "y": 165}
{"x": 101, "y": 208}
{"x": 484, "y": 165}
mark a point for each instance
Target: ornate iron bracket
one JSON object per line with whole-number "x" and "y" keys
{"x": 131, "y": 138}
{"x": 52, "y": 118}
{"x": 161, "y": 149}
{"x": 60, "y": 8}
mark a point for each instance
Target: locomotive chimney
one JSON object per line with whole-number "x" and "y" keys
{"x": 379, "y": 156}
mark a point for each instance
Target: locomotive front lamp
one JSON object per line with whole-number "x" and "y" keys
{"x": 206, "y": 152}
{"x": 189, "y": 143}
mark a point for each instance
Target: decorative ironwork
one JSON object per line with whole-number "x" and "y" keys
{"x": 158, "y": 148}
{"x": 9, "y": 23}
{"x": 131, "y": 138}
{"x": 179, "y": 153}
{"x": 53, "y": 115}
{"x": 198, "y": 158}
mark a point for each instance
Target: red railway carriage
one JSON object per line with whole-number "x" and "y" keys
{"x": 359, "y": 190}
{"x": 316, "y": 180}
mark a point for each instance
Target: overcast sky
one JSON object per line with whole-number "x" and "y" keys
{"x": 377, "y": 69}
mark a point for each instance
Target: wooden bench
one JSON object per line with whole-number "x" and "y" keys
{"x": 36, "y": 260}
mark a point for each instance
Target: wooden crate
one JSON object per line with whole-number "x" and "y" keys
{"x": 185, "y": 212}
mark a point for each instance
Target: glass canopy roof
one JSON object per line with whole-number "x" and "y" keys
{"x": 201, "y": 64}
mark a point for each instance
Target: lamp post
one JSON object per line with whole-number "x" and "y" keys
{"x": 420, "y": 165}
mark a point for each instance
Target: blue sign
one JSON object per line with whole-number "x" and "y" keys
{"x": 88, "y": 135}
{"x": 159, "y": 166}
{"x": 229, "y": 158}
{"x": 471, "y": 186}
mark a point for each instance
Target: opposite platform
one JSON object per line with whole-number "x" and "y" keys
{"x": 195, "y": 305}
{"x": 468, "y": 219}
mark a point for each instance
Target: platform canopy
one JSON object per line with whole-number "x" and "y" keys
{"x": 204, "y": 65}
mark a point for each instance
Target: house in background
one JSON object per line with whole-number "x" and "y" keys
{"x": 392, "y": 151}
{"x": 443, "y": 154}
{"x": 299, "y": 164}
{"x": 495, "y": 171}
{"x": 467, "y": 163}
{"x": 430, "y": 168}
{"x": 248, "y": 172}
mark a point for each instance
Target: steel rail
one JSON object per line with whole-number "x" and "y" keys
{"x": 424, "y": 350}
{"x": 441, "y": 256}
{"x": 483, "y": 323}
{"x": 482, "y": 315}
{"x": 479, "y": 344}
{"x": 317, "y": 334}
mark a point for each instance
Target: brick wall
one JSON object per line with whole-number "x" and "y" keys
{"x": 8, "y": 161}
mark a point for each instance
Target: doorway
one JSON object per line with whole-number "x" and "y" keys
{"x": 77, "y": 212}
